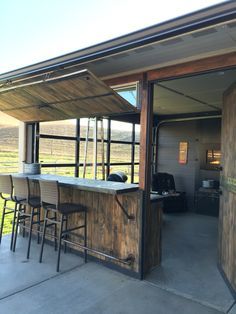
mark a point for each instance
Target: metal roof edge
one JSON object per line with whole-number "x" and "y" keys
{"x": 219, "y": 13}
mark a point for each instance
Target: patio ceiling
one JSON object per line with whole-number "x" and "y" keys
{"x": 68, "y": 96}
{"x": 195, "y": 94}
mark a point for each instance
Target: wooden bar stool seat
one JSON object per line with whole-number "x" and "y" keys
{"x": 25, "y": 200}
{"x": 6, "y": 193}
{"x": 50, "y": 198}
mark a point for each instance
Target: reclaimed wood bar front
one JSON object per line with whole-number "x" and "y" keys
{"x": 114, "y": 219}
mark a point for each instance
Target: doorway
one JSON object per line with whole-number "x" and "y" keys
{"x": 189, "y": 109}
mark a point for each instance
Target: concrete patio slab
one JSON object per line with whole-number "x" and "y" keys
{"x": 233, "y": 310}
{"x": 94, "y": 289}
{"x": 30, "y": 287}
{"x": 189, "y": 261}
{"x": 18, "y": 273}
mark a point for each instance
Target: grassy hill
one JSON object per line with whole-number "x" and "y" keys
{"x": 8, "y": 148}
{"x": 8, "y": 138}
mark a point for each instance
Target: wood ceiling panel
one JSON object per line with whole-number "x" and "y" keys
{"x": 75, "y": 95}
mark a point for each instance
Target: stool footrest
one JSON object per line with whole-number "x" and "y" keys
{"x": 9, "y": 212}
{"x": 72, "y": 229}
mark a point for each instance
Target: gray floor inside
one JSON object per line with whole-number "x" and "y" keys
{"x": 29, "y": 287}
{"x": 189, "y": 261}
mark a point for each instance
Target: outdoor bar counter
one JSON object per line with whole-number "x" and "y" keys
{"x": 114, "y": 220}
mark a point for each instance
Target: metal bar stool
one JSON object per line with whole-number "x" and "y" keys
{"x": 24, "y": 199}
{"x": 50, "y": 198}
{"x": 6, "y": 191}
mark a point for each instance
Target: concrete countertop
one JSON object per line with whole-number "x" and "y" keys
{"x": 155, "y": 197}
{"x": 108, "y": 187}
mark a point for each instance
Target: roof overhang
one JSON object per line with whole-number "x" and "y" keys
{"x": 75, "y": 95}
{"x": 49, "y": 91}
{"x": 140, "y": 41}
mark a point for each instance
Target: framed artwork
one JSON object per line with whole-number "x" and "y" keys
{"x": 183, "y": 153}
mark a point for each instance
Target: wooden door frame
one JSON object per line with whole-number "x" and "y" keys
{"x": 192, "y": 68}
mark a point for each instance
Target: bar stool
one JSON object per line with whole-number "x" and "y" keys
{"x": 6, "y": 191}
{"x": 50, "y": 198}
{"x": 24, "y": 199}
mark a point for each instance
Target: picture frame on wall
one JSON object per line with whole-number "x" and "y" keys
{"x": 183, "y": 153}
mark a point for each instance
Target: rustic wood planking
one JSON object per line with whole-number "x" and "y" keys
{"x": 192, "y": 67}
{"x": 74, "y": 95}
{"x": 205, "y": 64}
{"x": 153, "y": 236}
{"x": 109, "y": 230}
{"x": 227, "y": 217}
{"x": 151, "y": 215}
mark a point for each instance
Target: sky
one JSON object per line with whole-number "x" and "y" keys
{"x": 37, "y": 30}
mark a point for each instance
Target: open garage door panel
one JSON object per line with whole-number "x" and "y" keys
{"x": 75, "y": 95}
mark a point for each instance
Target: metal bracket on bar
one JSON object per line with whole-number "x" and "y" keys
{"x": 131, "y": 217}
{"x": 130, "y": 259}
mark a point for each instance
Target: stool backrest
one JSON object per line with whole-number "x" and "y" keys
{"x": 49, "y": 191}
{"x": 21, "y": 187}
{"x": 6, "y": 186}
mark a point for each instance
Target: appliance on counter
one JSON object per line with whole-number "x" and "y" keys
{"x": 210, "y": 184}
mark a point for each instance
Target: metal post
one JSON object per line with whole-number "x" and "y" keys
{"x": 86, "y": 149}
{"x": 77, "y": 148}
{"x": 133, "y": 153}
{"x": 108, "y": 146}
{"x": 95, "y": 147}
{"x": 102, "y": 147}
{"x": 156, "y": 149}
{"x": 153, "y": 150}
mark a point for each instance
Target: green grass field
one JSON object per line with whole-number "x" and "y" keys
{"x": 8, "y": 218}
{"x": 8, "y": 164}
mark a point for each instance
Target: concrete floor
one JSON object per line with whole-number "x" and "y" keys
{"x": 29, "y": 287}
{"x": 189, "y": 261}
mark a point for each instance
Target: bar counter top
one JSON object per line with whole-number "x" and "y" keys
{"x": 108, "y": 187}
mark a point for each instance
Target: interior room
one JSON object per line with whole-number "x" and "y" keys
{"x": 189, "y": 148}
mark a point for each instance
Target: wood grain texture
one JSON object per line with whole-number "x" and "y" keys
{"x": 153, "y": 236}
{"x": 193, "y": 67}
{"x": 74, "y": 95}
{"x": 109, "y": 230}
{"x": 146, "y": 121}
{"x": 151, "y": 221}
{"x": 227, "y": 223}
